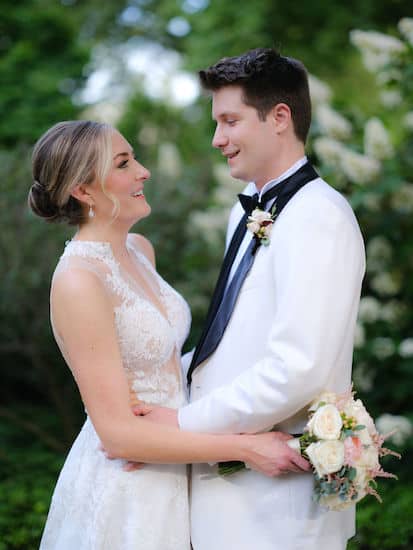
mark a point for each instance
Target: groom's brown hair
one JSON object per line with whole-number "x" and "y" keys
{"x": 266, "y": 78}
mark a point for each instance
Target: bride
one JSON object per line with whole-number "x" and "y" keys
{"x": 120, "y": 328}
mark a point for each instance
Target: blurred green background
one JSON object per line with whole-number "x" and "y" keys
{"x": 133, "y": 63}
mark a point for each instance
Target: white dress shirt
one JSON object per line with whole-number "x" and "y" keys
{"x": 251, "y": 189}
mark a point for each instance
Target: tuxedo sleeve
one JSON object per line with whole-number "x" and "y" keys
{"x": 318, "y": 264}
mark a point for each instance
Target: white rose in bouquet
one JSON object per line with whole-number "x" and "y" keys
{"x": 327, "y": 457}
{"x": 326, "y": 423}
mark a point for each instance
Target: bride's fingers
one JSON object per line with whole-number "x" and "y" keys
{"x": 129, "y": 466}
{"x": 133, "y": 466}
{"x": 141, "y": 409}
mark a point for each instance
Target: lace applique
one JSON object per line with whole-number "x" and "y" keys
{"x": 148, "y": 341}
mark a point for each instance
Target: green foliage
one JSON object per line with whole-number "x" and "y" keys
{"x": 387, "y": 525}
{"x": 37, "y": 42}
{"x": 315, "y": 32}
{"x": 27, "y": 475}
{"x": 33, "y": 368}
{"x": 25, "y": 498}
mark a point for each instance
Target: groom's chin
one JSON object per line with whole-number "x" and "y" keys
{"x": 238, "y": 174}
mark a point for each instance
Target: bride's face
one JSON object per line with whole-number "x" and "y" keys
{"x": 124, "y": 183}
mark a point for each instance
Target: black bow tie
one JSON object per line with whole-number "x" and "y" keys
{"x": 249, "y": 202}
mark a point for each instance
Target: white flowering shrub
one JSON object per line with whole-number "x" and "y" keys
{"x": 370, "y": 160}
{"x": 398, "y": 426}
{"x": 378, "y": 50}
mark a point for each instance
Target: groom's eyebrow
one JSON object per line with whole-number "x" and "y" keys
{"x": 224, "y": 114}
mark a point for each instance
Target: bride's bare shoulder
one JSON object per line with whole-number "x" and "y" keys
{"x": 76, "y": 284}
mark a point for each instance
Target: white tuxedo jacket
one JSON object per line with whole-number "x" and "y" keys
{"x": 290, "y": 337}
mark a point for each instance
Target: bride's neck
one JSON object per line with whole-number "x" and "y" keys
{"x": 111, "y": 234}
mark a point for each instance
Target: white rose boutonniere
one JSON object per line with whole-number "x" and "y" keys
{"x": 260, "y": 224}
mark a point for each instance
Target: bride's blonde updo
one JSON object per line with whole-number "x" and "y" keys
{"x": 69, "y": 153}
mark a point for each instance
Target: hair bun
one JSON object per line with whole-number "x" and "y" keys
{"x": 38, "y": 187}
{"x": 40, "y": 202}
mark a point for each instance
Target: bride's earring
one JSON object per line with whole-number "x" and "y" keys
{"x": 91, "y": 211}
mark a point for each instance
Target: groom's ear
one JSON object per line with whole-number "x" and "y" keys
{"x": 281, "y": 117}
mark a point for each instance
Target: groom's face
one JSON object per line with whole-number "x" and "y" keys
{"x": 248, "y": 143}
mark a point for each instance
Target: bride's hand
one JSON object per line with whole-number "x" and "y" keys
{"x": 270, "y": 455}
{"x": 129, "y": 466}
{"x": 160, "y": 415}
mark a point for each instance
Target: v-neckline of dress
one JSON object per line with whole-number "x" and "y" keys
{"x": 105, "y": 250}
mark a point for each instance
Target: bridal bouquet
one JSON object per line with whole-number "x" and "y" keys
{"x": 343, "y": 446}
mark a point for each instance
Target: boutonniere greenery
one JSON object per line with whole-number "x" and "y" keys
{"x": 260, "y": 224}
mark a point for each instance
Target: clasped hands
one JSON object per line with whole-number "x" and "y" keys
{"x": 271, "y": 454}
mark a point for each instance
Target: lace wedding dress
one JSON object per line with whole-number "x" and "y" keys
{"x": 96, "y": 504}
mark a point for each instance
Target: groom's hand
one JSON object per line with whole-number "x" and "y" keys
{"x": 159, "y": 415}
{"x": 273, "y": 457}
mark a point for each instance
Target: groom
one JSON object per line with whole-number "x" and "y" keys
{"x": 281, "y": 323}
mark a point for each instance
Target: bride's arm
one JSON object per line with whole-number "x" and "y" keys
{"x": 83, "y": 320}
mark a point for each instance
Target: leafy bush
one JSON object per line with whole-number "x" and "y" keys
{"x": 28, "y": 472}
{"x": 386, "y": 526}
